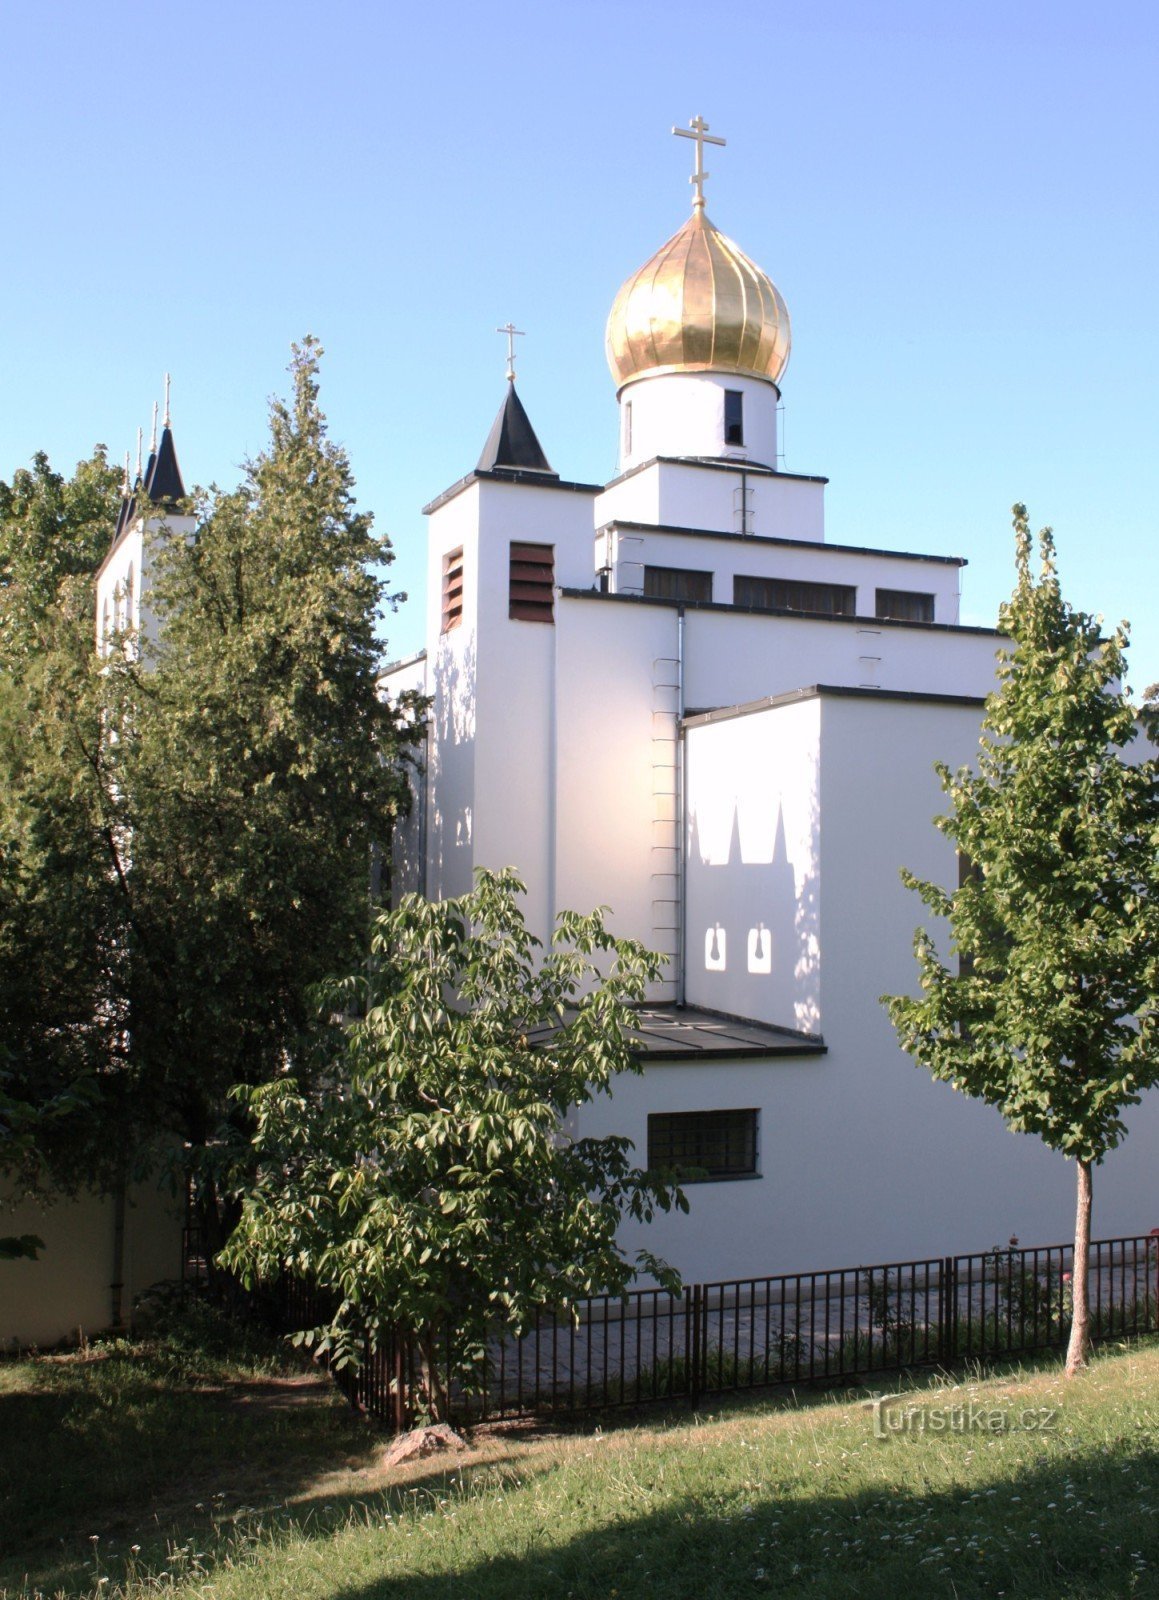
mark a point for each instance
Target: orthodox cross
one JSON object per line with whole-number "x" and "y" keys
{"x": 512, "y": 333}
{"x": 165, "y": 421}
{"x": 698, "y": 129}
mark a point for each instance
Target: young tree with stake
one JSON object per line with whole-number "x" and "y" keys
{"x": 1050, "y": 1013}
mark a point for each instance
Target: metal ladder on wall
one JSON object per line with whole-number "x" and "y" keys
{"x": 666, "y": 840}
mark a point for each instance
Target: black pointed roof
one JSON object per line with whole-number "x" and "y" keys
{"x": 163, "y": 482}
{"x": 511, "y": 444}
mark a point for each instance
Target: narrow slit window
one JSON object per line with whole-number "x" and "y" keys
{"x": 532, "y": 596}
{"x": 452, "y": 589}
{"x": 627, "y": 427}
{"x": 733, "y": 416}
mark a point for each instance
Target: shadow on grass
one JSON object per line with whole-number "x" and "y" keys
{"x": 1073, "y": 1528}
{"x": 146, "y": 1463}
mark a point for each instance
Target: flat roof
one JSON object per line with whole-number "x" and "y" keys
{"x": 539, "y": 480}
{"x": 781, "y": 613}
{"x": 717, "y": 464}
{"x": 815, "y": 691}
{"x": 694, "y": 1033}
{"x": 792, "y": 544}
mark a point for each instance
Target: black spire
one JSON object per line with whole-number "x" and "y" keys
{"x": 511, "y": 445}
{"x": 163, "y": 483}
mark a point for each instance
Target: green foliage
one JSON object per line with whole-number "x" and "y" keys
{"x": 1049, "y": 1014}
{"x": 429, "y": 1177}
{"x": 186, "y": 825}
{"x": 58, "y": 911}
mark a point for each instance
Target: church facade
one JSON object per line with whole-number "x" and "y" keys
{"x": 674, "y": 695}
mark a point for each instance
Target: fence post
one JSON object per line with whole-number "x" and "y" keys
{"x": 947, "y": 1307}
{"x": 693, "y": 1304}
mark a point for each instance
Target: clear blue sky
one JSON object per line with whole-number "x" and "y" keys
{"x": 958, "y": 203}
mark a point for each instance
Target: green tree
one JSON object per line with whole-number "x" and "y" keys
{"x": 429, "y": 1178}
{"x": 226, "y": 781}
{"x": 57, "y": 899}
{"x": 1049, "y": 1013}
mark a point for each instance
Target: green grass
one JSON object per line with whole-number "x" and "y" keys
{"x": 236, "y": 1492}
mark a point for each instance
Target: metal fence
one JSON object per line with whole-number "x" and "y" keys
{"x": 797, "y": 1328}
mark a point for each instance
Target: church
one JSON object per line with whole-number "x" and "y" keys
{"x": 674, "y": 695}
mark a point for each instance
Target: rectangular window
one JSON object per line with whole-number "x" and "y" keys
{"x": 452, "y": 589}
{"x": 627, "y": 427}
{"x": 905, "y": 605}
{"x": 677, "y": 583}
{"x": 733, "y": 416}
{"x": 789, "y": 594}
{"x": 704, "y": 1145}
{"x": 532, "y": 580}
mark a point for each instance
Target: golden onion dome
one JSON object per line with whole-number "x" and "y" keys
{"x": 699, "y": 305}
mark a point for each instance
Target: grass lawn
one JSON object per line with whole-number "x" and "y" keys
{"x": 139, "y": 1470}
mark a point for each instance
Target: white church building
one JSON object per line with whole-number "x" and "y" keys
{"x": 674, "y": 695}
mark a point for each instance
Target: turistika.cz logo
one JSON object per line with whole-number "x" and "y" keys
{"x": 893, "y": 1415}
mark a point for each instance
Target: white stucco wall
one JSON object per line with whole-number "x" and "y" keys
{"x": 684, "y": 494}
{"x": 754, "y": 865}
{"x": 863, "y": 1157}
{"x": 734, "y": 657}
{"x": 682, "y": 414}
{"x": 125, "y": 578}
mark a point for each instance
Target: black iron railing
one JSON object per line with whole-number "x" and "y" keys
{"x": 796, "y": 1328}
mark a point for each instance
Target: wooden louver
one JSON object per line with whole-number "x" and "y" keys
{"x": 532, "y": 578}
{"x": 452, "y": 589}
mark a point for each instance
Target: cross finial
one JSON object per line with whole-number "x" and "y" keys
{"x": 512, "y": 333}
{"x": 139, "y": 433}
{"x": 698, "y": 129}
{"x": 153, "y": 435}
{"x": 165, "y": 419}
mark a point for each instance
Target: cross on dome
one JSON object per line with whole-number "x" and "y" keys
{"x": 697, "y": 129}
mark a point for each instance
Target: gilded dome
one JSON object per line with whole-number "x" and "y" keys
{"x": 699, "y": 305}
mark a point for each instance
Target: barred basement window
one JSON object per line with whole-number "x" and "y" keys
{"x": 703, "y": 1146}
{"x": 790, "y": 594}
{"x": 905, "y": 605}
{"x": 452, "y": 589}
{"x": 532, "y": 578}
{"x": 677, "y": 583}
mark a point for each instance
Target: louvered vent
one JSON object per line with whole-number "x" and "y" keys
{"x": 452, "y": 590}
{"x": 532, "y": 577}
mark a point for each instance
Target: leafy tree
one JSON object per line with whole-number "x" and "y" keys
{"x": 57, "y": 901}
{"x": 429, "y": 1178}
{"x": 1050, "y": 1014}
{"x": 230, "y": 779}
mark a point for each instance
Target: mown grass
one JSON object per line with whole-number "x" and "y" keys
{"x": 244, "y": 1498}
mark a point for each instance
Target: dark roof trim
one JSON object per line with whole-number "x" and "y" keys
{"x": 754, "y": 469}
{"x": 832, "y": 691}
{"x": 783, "y": 616}
{"x": 792, "y": 544}
{"x": 536, "y": 480}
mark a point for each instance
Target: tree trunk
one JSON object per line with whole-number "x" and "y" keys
{"x": 1080, "y": 1327}
{"x": 434, "y": 1380}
